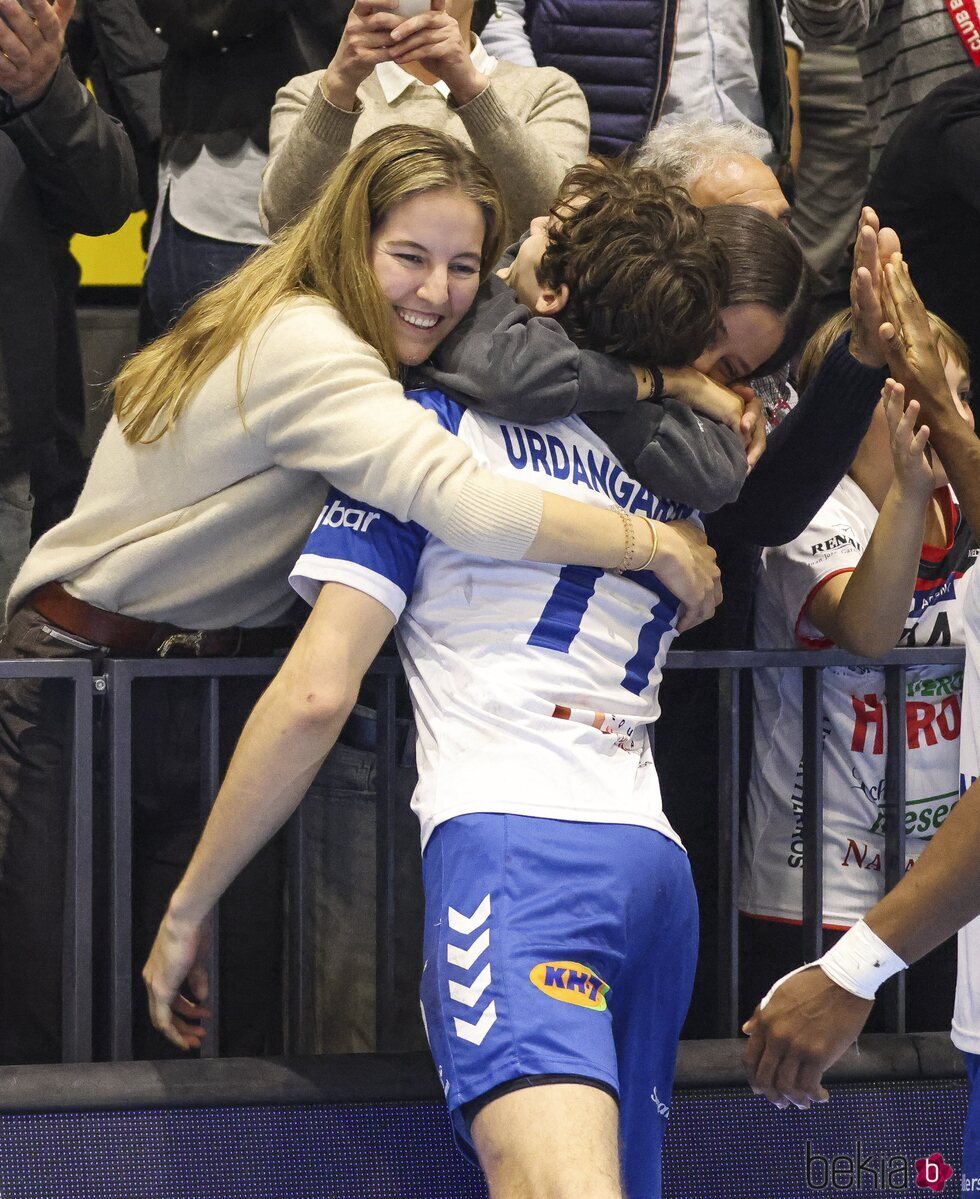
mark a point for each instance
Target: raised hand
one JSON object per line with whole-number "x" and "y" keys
{"x": 365, "y": 42}
{"x": 913, "y": 356}
{"x": 873, "y": 247}
{"x": 913, "y": 470}
{"x": 31, "y": 41}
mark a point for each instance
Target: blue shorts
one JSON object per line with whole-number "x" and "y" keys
{"x": 560, "y": 948}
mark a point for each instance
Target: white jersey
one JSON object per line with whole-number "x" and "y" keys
{"x": 966, "y": 1013}
{"x": 854, "y": 720}
{"x": 533, "y": 685}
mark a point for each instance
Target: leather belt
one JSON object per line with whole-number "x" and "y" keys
{"x": 128, "y": 635}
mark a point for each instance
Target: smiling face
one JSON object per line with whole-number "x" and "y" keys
{"x": 748, "y": 335}
{"x": 426, "y": 256}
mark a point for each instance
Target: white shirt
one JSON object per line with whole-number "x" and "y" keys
{"x": 216, "y": 197}
{"x": 854, "y": 721}
{"x": 534, "y": 685}
{"x": 966, "y": 1013}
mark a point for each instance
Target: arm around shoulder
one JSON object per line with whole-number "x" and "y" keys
{"x": 505, "y": 361}
{"x": 324, "y": 402}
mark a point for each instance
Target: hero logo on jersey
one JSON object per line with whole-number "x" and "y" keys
{"x": 338, "y": 516}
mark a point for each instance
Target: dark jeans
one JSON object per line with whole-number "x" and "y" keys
{"x": 339, "y": 816}
{"x": 183, "y": 265}
{"x": 35, "y": 765}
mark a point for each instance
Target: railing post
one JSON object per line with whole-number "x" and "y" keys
{"x": 77, "y": 973}
{"x": 384, "y": 987}
{"x": 210, "y": 782}
{"x": 729, "y": 709}
{"x": 812, "y": 800}
{"x": 892, "y": 998}
{"x": 120, "y": 677}
{"x": 298, "y": 988}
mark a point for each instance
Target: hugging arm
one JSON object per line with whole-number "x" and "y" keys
{"x": 525, "y": 368}
{"x": 502, "y": 360}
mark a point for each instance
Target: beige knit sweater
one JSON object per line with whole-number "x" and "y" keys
{"x": 529, "y": 125}
{"x": 202, "y": 527}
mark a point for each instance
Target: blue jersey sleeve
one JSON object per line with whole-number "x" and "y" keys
{"x": 362, "y": 547}
{"x": 366, "y": 548}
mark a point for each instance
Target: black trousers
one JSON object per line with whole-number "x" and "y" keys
{"x": 35, "y": 766}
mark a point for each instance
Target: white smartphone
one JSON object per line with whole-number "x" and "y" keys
{"x": 412, "y": 8}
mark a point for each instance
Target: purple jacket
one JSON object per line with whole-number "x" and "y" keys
{"x": 621, "y": 51}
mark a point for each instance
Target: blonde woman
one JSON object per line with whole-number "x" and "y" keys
{"x": 205, "y": 485}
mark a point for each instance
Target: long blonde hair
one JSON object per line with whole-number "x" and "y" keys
{"x": 326, "y": 253}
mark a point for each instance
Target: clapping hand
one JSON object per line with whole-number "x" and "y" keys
{"x": 31, "y": 41}
{"x": 873, "y": 247}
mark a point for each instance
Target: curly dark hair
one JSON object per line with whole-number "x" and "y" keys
{"x": 645, "y": 279}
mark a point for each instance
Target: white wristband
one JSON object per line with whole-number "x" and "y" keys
{"x": 860, "y": 962}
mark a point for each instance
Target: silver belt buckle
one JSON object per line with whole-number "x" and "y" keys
{"x": 191, "y": 641}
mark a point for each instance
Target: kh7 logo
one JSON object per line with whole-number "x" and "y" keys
{"x": 571, "y": 982}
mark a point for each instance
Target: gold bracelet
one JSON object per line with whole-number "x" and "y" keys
{"x": 656, "y": 544}
{"x": 630, "y": 538}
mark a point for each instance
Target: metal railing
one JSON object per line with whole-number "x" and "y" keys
{"x": 115, "y": 689}
{"x": 730, "y": 665}
{"x": 76, "y": 1019}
